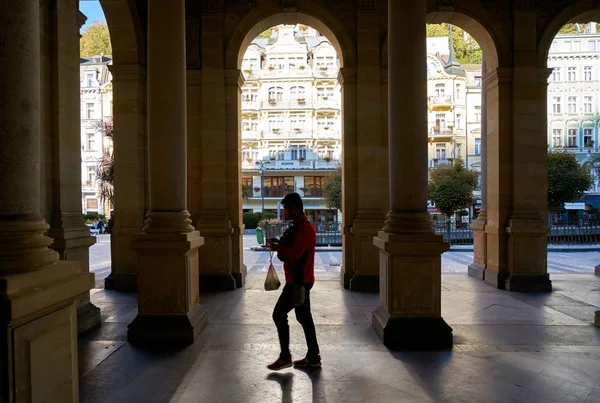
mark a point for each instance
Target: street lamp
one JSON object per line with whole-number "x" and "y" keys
{"x": 261, "y": 169}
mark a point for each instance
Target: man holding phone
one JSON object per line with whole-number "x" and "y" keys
{"x": 297, "y": 250}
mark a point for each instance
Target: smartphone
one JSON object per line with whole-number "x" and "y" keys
{"x": 273, "y": 240}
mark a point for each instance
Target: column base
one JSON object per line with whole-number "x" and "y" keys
{"x": 121, "y": 282}
{"x": 495, "y": 279}
{"x": 217, "y": 282}
{"x": 167, "y": 330}
{"x": 597, "y": 319}
{"x": 412, "y": 333}
{"x": 345, "y": 279}
{"x": 240, "y": 278}
{"x": 597, "y": 271}
{"x": 477, "y": 271}
{"x": 88, "y": 317}
{"x": 39, "y": 328}
{"x": 528, "y": 283}
{"x": 364, "y": 283}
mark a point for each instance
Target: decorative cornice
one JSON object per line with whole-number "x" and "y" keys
{"x": 234, "y": 77}
{"x": 502, "y": 75}
{"x": 81, "y": 19}
{"x": 126, "y": 72}
{"x": 347, "y": 75}
{"x": 193, "y": 77}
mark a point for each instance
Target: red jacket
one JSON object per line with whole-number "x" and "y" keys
{"x": 304, "y": 242}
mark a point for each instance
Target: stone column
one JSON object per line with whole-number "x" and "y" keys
{"x": 62, "y": 131}
{"x": 477, "y": 268}
{"x": 371, "y": 155}
{"x": 214, "y": 218}
{"x": 527, "y": 225}
{"x": 409, "y": 315}
{"x": 234, "y": 80}
{"x": 131, "y": 178}
{"x": 168, "y": 302}
{"x": 347, "y": 80}
{"x": 37, "y": 301}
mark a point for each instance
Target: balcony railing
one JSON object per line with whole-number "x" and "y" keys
{"x": 327, "y": 134}
{"x": 313, "y": 192}
{"x": 278, "y": 191}
{"x": 292, "y": 164}
{"x": 577, "y": 150}
{"x": 307, "y": 71}
{"x": 435, "y": 162}
{"x": 327, "y": 104}
{"x": 440, "y": 103}
{"x": 251, "y": 135}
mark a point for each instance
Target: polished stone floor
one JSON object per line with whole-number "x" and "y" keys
{"x": 509, "y": 347}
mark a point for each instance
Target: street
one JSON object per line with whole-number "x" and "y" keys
{"x": 329, "y": 262}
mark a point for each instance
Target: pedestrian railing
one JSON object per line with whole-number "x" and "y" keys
{"x": 328, "y": 234}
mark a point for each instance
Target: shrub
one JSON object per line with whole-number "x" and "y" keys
{"x": 94, "y": 216}
{"x": 250, "y": 220}
{"x": 268, "y": 216}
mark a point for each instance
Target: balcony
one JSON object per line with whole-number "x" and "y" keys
{"x": 577, "y": 150}
{"x": 328, "y": 134}
{"x": 436, "y": 162}
{"x": 312, "y": 192}
{"x": 324, "y": 164}
{"x": 286, "y": 134}
{"x": 250, "y": 105}
{"x": 278, "y": 191}
{"x": 327, "y": 103}
{"x": 251, "y": 135}
{"x": 437, "y": 135}
{"x": 442, "y": 103}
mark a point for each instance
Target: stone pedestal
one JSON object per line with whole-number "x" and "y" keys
{"x": 409, "y": 315}
{"x": 169, "y": 312}
{"x": 477, "y": 268}
{"x": 365, "y": 277}
{"x": 215, "y": 259}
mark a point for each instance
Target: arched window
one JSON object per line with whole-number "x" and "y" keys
{"x": 297, "y": 93}
{"x": 276, "y": 93}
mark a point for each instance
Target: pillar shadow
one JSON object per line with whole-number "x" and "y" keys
{"x": 286, "y": 381}
{"x": 319, "y": 394}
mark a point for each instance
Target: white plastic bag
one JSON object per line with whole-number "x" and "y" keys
{"x": 272, "y": 282}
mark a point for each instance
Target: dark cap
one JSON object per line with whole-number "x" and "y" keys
{"x": 293, "y": 200}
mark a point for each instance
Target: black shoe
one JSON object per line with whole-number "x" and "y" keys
{"x": 281, "y": 363}
{"x": 308, "y": 363}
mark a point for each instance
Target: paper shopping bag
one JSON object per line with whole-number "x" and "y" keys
{"x": 272, "y": 282}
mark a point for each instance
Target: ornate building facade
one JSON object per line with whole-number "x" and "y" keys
{"x": 573, "y": 100}
{"x": 96, "y": 115}
{"x": 291, "y": 119}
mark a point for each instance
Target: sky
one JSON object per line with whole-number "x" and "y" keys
{"x": 92, "y": 10}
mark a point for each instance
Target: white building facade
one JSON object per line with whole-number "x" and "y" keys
{"x": 573, "y": 95}
{"x": 291, "y": 120}
{"x": 96, "y": 110}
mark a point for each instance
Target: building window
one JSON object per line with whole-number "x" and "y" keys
{"x": 457, "y": 90}
{"x": 592, "y": 46}
{"x": 477, "y": 81}
{"x": 278, "y": 186}
{"x": 90, "y": 140}
{"x": 440, "y": 120}
{"x": 440, "y": 151}
{"x": 556, "y": 104}
{"x": 89, "y": 110}
{"x": 556, "y": 75}
{"x": 572, "y": 74}
{"x": 576, "y": 46}
{"x": 313, "y": 186}
{"x": 572, "y": 138}
{"x": 275, "y": 94}
{"x": 587, "y": 73}
{"x": 458, "y": 120}
{"x": 587, "y": 104}
{"x": 588, "y": 137}
{"x": 572, "y": 104}
{"x": 89, "y": 78}
{"x": 91, "y": 175}
{"x": 297, "y": 122}
{"x": 249, "y": 125}
{"x": 298, "y": 93}
{"x": 477, "y": 146}
{"x": 440, "y": 90}
{"x": 477, "y": 113}
{"x": 250, "y": 96}
{"x": 557, "y": 140}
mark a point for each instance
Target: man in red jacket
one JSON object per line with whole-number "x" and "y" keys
{"x": 299, "y": 267}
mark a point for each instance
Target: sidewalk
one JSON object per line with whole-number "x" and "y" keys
{"x": 551, "y": 248}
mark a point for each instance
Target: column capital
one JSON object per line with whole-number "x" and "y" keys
{"x": 126, "y": 72}
{"x": 193, "y": 77}
{"x": 347, "y": 76}
{"x": 234, "y": 77}
{"x": 81, "y": 19}
{"x": 502, "y": 75}
{"x": 543, "y": 74}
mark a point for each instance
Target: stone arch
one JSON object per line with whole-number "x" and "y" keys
{"x": 312, "y": 15}
{"x": 495, "y": 49}
{"x": 582, "y": 11}
{"x": 125, "y": 31}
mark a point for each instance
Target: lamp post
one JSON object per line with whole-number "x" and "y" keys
{"x": 261, "y": 169}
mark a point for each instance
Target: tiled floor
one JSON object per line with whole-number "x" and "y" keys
{"x": 508, "y": 348}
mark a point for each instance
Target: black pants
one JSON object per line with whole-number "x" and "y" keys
{"x": 280, "y": 316}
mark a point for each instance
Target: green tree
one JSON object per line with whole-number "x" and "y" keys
{"x": 105, "y": 169}
{"x": 266, "y": 34}
{"x": 466, "y": 48}
{"x": 332, "y": 189}
{"x": 567, "y": 180}
{"x": 568, "y": 29}
{"x": 95, "y": 39}
{"x": 451, "y": 188}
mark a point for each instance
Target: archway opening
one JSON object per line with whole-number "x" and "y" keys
{"x": 573, "y": 125}
{"x": 462, "y": 56}
{"x": 291, "y": 136}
